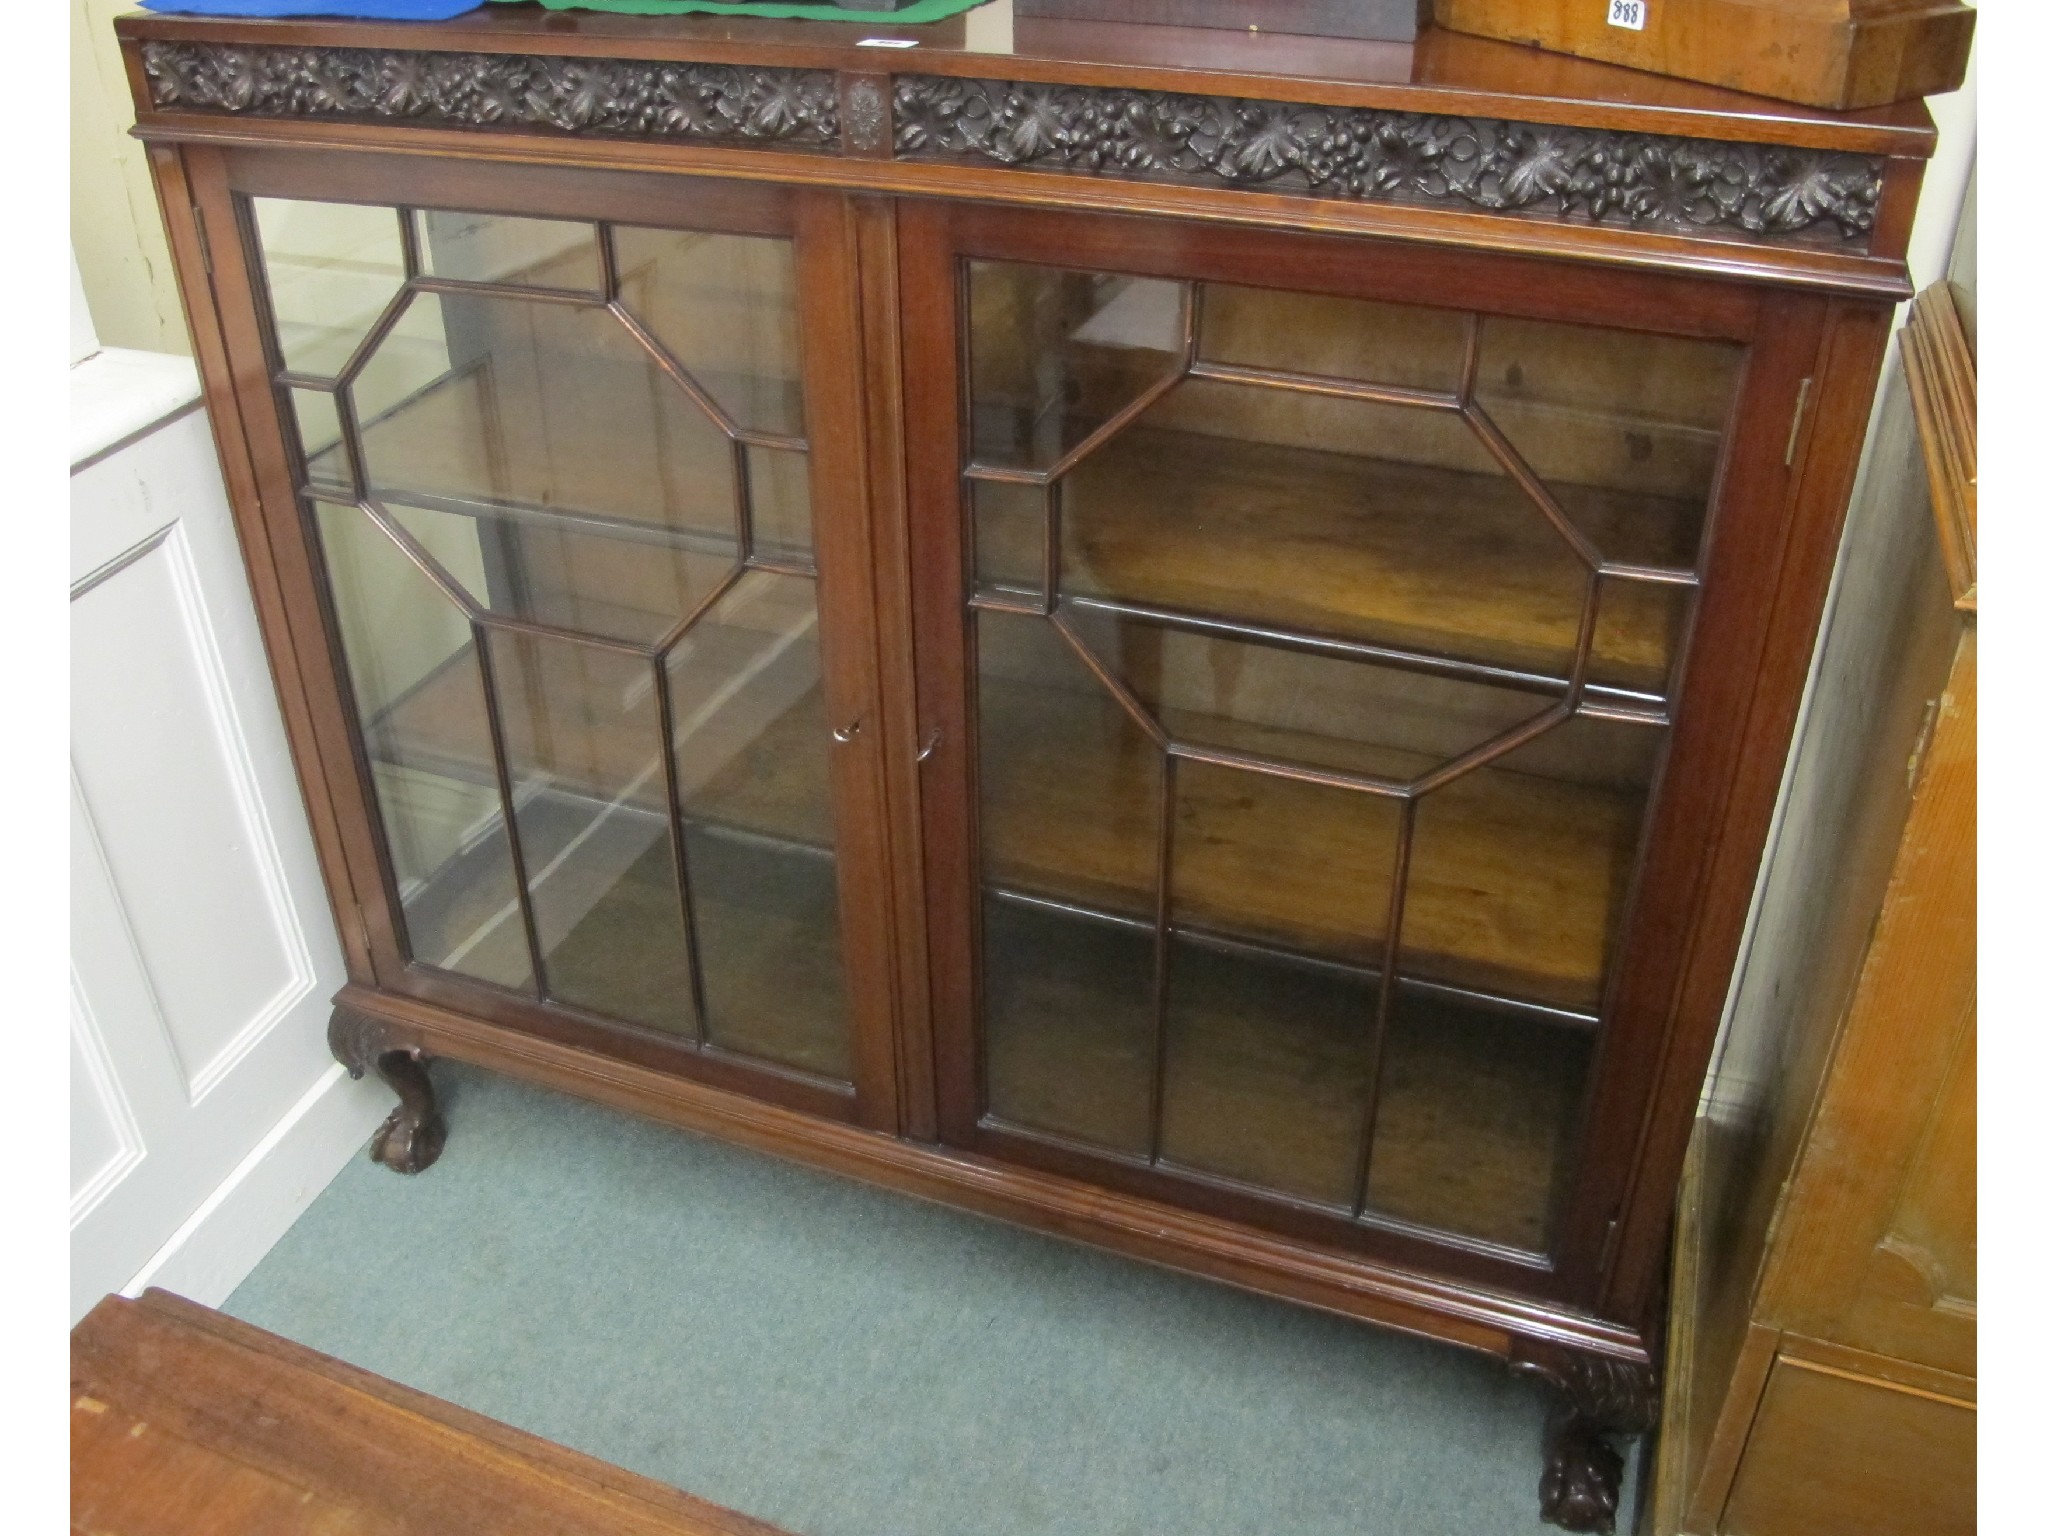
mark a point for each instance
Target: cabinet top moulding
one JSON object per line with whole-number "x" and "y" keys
{"x": 1456, "y": 140}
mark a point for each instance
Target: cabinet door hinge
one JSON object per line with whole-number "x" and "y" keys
{"x": 1607, "y": 1241}
{"x": 205, "y": 245}
{"x": 1798, "y": 419}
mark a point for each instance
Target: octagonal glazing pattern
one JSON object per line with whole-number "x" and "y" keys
{"x": 577, "y": 606}
{"x": 1319, "y": 711}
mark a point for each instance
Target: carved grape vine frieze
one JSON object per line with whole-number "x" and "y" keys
{"x": 604, "y": 96}
{"x": 1683, "y": 185}
{"x": 1690, "y": 186}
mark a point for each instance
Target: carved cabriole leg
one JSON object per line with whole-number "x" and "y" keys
{"x": 411, "y": 1138}
{"x": 1599, "y": 1397}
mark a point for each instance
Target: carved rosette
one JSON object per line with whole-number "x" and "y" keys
{"x": 1687, "y": 186}
{"x": 623, "y": 97}
{"x": 865, "y": 113}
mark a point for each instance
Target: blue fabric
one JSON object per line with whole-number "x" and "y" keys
{"x": 369, "y": 10}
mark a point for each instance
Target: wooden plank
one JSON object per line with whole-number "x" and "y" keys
{"x": 185, "y": 1420}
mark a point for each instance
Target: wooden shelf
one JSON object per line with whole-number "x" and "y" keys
{"x": 1514, "y": 886}
{"x": 1415, "y": 556}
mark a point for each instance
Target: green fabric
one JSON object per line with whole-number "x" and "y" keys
{"x": 842, "y": 1361}
{"x": 911, "y": 15}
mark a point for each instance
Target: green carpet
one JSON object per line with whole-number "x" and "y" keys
{"x": 846, "y": 1362}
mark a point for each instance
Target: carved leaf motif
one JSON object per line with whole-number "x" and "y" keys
{"x": 1152, "y": 138}
{"x": 403, "y": 85}
{"x": 780, "y": 107}
{"x": 568, "y": 95}
{"x": 238, "y": 81}
{"x": 1035, "y": 126}
{"x": 1540, "y": 163}
{"x": 1811, "y": 189}
{"x": 1267, "y": 145}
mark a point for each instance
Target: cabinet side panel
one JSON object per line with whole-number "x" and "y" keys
{"x": 1845, "y": 802}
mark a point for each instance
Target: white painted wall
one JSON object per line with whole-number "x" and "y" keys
{"x": 206, "y": 1112}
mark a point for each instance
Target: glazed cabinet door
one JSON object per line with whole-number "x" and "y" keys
{"x": 564, "y": 501}
{"x": 1312, "y": 620}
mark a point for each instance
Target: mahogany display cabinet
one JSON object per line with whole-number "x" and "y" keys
{"x": 1180, "y": 638}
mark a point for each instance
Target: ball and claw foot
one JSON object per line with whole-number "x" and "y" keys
{"x": 1599, "y": 1398}
{"x": 1581, "y": 1485}
{"x": 410, "y": 1139}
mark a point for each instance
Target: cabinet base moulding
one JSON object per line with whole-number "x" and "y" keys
{"x": 397, "y": 1036}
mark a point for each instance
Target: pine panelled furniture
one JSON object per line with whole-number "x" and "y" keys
{"x": 1826, "y": 53}
{"x": 1823, "y": 1360}
{"x": 1182, "y": 638}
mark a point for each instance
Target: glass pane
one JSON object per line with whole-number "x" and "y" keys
{"x": 1267, "y": 1061}
{"x": 1070, "y": 817}
{"x": 419, "y": 697}
{"x": 1625, "y": 429}
{"x": 320, "y": 440}
{"x": 725, "y": 307}
{"x": 1280, "y": 892}
{"x": 1475, "y": 1122}
{"x": 753, "y": 770}
{"x": 532, "y": 405}
{"x": 1396, "y": 344}
{"x": 1009, "y": 539}
{"x": 1521, "y": 869}
{"x": 1281, "y": 864}
{"x": 583, "y": 749}
{"x": 1518, "y": 882}
{"x": 779, "y": 497}
{"x": 1070, "y": 784}
{"x": 1299, "y": 707}
{"x": 1638, "y": 635}
{"x": 1056, "y": 354}
{"x": 331, "y": 269}
{"x": 616, "y": 581}
{"x": 1391, "y": 525}
{"x": 1067, "y": 1022}
{"x": 491, "y": 248}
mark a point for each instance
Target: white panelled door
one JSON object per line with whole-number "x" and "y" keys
{"x": 206, "y": 1111}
